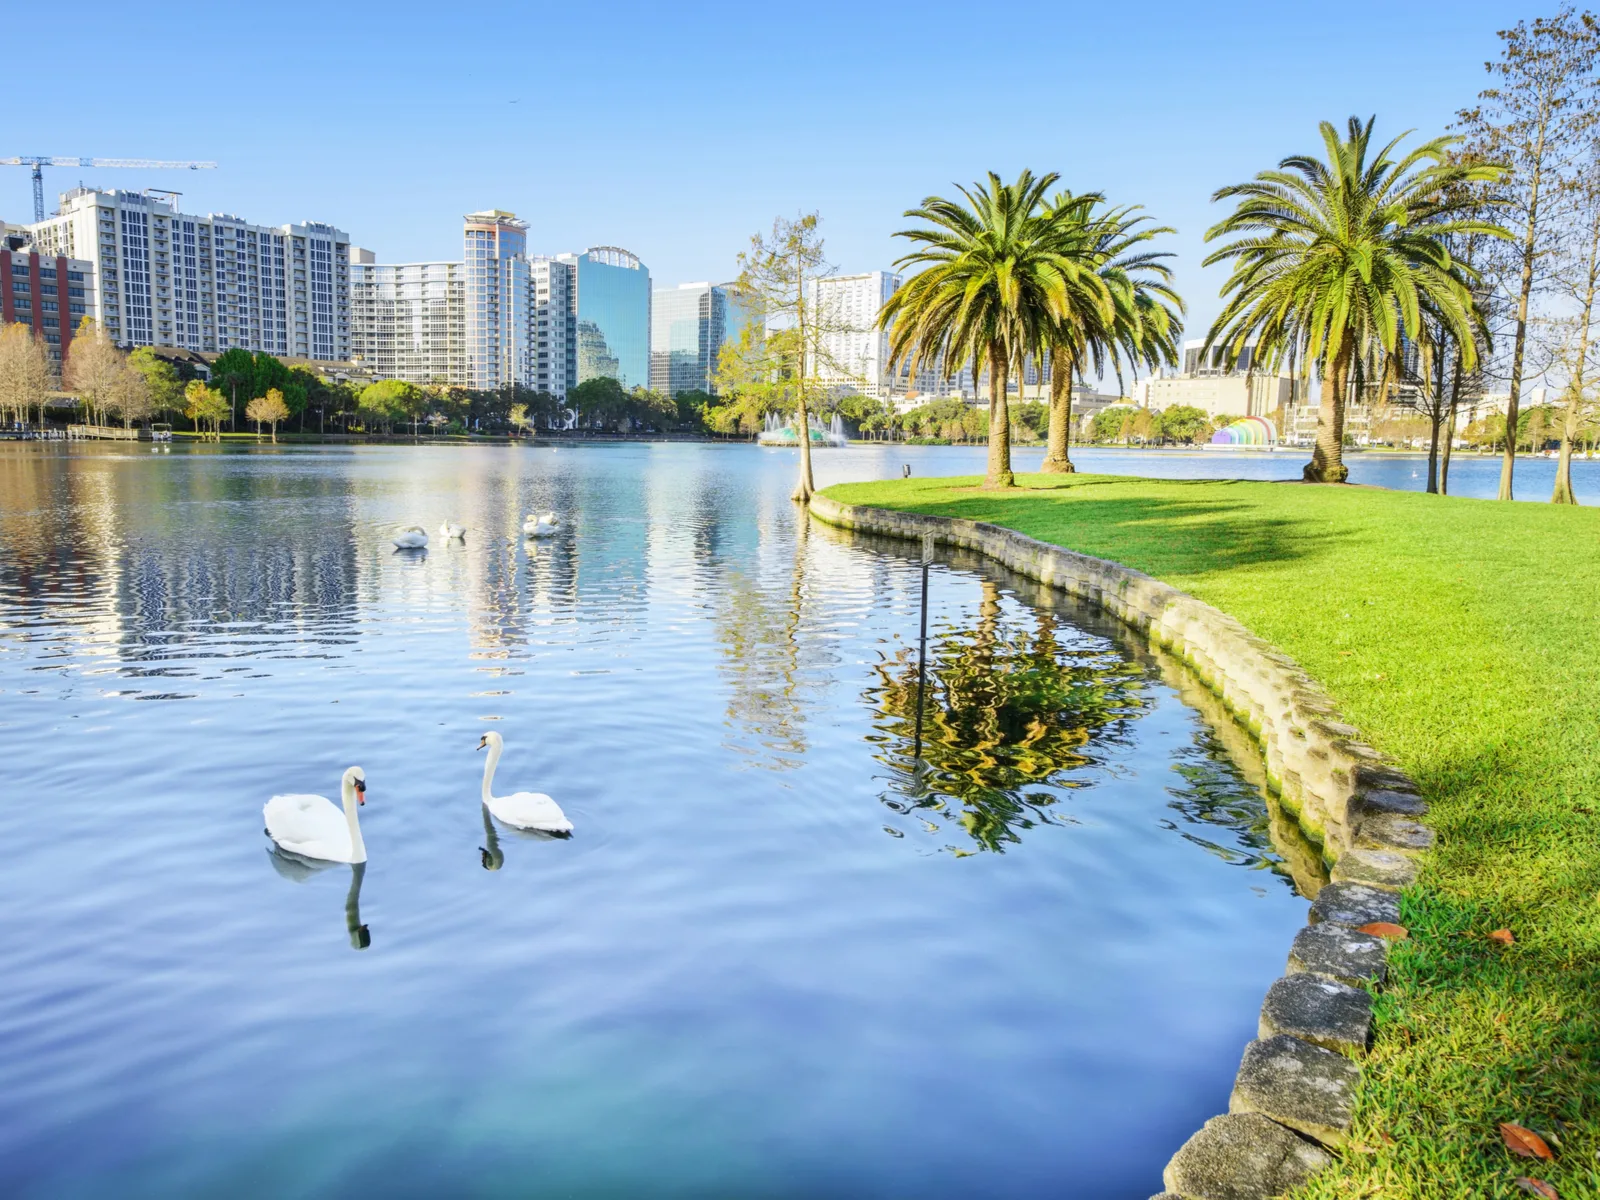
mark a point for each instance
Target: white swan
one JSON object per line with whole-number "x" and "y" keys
{"x": 524, "y": 810}
{"x": 312, "y": 827}
{"x": 451, "y": 530}
{"x": 538, "y": 527}
{"x": 412, "y": 537}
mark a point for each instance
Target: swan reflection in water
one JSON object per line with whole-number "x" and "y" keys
{"x": 491, "y": 855}
{"x": 298, "y": 869}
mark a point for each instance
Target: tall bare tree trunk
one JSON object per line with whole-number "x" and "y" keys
{"x": 1327, "y": 457}
{"x": 1529, "y": 241}
{"x": 1058, "y": 457}
{"x": 1450, "y": 426}
{"x": 999, "y": 470}
{"x": 1563, "y": 493}
{"x": 806, "y": 486}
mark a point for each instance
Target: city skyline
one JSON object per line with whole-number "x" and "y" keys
{"x": 388, "y": 134}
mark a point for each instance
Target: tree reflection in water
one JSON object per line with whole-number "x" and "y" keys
{"x": 1009, "y": 714}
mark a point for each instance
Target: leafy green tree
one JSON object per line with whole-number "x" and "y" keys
{"x": 392, "y": 400}
{"x": 1183, "y": 423}
{"x": 205, "y": 405}
{"x": 268, "y": 409}
{"x": 1109, "y": 423}
{"x": 160, "y": 379}
{"x": 692, "y": 407}
{"x": 1126, "y": 311}
{"x": 599, "y": 402}
{"x": 993, "y": 278}
{"x": 1336, "y": 258}
{"x": 234, "y": 371}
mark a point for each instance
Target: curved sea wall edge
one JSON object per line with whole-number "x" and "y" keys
{"x": 1293, "y": 1097}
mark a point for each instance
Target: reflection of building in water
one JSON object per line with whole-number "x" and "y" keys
{"x": 161, "y": 566}
{"x": 1009, "y": 712}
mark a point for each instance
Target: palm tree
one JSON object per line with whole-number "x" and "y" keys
{"x": 1334, "y": 258}
{"x": 1144, "y": 311}
{"x": 994, "y": 276}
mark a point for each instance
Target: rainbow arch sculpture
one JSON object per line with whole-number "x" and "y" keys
{"x": 1248, "y": 431}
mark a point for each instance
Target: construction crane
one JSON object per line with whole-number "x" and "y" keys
{"x": 38, "y": 162}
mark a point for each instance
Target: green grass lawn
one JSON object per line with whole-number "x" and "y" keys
{"x": 1463, "y": 638}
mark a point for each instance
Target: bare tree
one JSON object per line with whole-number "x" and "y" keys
{"x": 777, "y": 274}
{"x": 130, "y": 395}
{"x": 25, "y": 374}
{"x": 1577, "y": 280}
{"x": 1534, "y": 120}
{"x": 93, "y": 369}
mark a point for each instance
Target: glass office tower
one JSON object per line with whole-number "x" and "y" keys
{"x": 611, "y": 298}
{"x": 498, "y": 350}
{"x": 689, "y": 325}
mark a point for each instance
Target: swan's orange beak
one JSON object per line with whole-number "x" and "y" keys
{"x": 361, "y": 791}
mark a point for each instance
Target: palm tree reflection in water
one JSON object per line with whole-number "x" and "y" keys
{"x": 1010, "y": 713}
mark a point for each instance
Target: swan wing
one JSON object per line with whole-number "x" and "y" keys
{"x": 530, "y": 810}
{"x": 310, "y": 826}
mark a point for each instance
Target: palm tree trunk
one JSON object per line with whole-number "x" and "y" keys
{"x": 1327, "y": 458}
{"x": 999, "y": 471}
{"x": 1057, "y": 457}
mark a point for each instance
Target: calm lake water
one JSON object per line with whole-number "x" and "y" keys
{"x": 777, "y": 958}
{"x": 1475, "y": 476}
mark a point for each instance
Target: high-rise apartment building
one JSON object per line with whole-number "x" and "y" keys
{"x": 555, "y": 325}
{"x": 689, "y": 325}
{"x": 611, "y": 301}
{"x": 853, "y": 353}
{"x": 408, "y": 320}
{"x": 161, "y": 277}
{"x": 497, "y": 318}
{"x": 47, "y": 294}
{"x": 497, "y": 277}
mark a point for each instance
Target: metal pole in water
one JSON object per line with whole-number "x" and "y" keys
{"x": 922, "y": 641}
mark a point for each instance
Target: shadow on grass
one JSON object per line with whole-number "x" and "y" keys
{"x": 1158, "y": 534}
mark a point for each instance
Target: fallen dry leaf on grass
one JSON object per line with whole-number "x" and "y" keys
{"x": 1386, "y": 929}
{"x": 1503, "y": 936}
{"x": 1524, "y": 1142}
{"x": 1538, "y": 1187}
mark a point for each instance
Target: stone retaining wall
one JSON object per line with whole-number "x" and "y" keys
{"x": 1294, "y": 1093}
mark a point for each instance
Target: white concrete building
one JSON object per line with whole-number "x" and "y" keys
{"x": 499, "y": 317}
{"x": 407, "y": 320}
{"x": 555, "y": 326}
{"x": 854, "y": 352}
{"x": 1222, "y": 392}
{"x": 162, "y": 277}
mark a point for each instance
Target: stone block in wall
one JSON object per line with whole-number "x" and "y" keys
{"x": 1340, "y": 953}
{"x": 1380, "y": 868}
{"x": 1369, "y": 801}
{"x": 1391, "y": 831}
{"x": 1299, "y": 1085}
{"x": 1354, "y": 905}
{"x": 1242, "y": 1156}
{"x": 1318, "y": 1010}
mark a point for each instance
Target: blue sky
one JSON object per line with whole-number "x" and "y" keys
{"x": 677, "y": 130}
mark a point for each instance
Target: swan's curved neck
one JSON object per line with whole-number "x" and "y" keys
{"x": 358, "y": 848}
{"x": 488, "y": 771}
